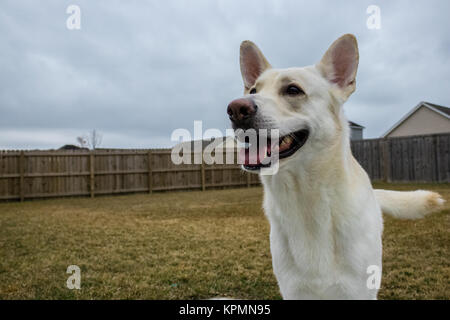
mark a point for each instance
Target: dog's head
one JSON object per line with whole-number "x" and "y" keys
{"x": 304, "y": 104}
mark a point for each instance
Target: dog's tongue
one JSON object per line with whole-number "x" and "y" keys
{"x": 253, "y": 157}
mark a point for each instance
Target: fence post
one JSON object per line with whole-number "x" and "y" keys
{"x": 150, "y": 174}
{"x": 92, "y": 170}
{"x": 386, "y": 160}
{"x": 22, "y": 175}
{"x": 203, "y": 174}
{"x": 248, "y": 179}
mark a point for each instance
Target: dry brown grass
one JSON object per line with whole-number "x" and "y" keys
{"x": 186, "y": 245}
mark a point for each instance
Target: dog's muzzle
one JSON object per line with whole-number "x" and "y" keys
{"x": 242, "y": 113}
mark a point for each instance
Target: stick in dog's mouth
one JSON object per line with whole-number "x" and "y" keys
{"x": 287, "y": 146}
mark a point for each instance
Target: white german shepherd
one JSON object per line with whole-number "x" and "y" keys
{"x": 325, "y": 218}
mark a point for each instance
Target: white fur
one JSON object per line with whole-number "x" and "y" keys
{"x": 326, "y": 227}
{"x": 408, "y": 205}
{"x": 325, "y": 219}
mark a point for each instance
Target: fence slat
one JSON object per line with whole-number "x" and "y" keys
{"x": 22, "y": 175}
{"x": 92, "y": 174}
{"x": 203, "y": 175}
{"x": 386, "y": 154}
{"x": 150, "y": 173}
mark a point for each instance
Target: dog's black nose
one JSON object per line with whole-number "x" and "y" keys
{"x": 241, "y": 111}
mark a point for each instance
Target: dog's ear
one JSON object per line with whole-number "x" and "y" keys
{"x": 340, "y": 63}
{"x": 253, "y": 63}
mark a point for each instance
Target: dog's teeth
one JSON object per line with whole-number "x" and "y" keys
{"x": 287, "y": 140}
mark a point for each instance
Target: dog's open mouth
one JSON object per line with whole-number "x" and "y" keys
{"x": 257, "y": 158}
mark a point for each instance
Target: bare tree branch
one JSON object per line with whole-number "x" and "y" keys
{"x": 92, "y": 140}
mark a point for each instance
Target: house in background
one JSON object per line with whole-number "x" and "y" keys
{"x": 71, "y": 147}
{"x": 425, "y": 118}
{"x": 356, "y": 131}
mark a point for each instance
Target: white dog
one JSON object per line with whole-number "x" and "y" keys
{"x": 325, "y": 218}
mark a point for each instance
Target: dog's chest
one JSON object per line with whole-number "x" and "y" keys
{"x": 300, "y": 238}
{"x": 316, "y": 251}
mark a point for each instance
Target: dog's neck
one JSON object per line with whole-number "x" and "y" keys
{"x": 332, "y": 169}
{"x": 311, "y": 182}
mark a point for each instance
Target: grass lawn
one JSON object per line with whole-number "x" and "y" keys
{"x": 187, "y": 245}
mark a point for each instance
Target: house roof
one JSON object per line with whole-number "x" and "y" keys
{"x": 443, "y": 111}
{"x": 355, "y": 125}
{"x": 71, "y": 147}
{"x": 440, "y": 108}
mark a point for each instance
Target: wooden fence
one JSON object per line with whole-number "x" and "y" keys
{"x": 405, "y": 159}
{"x": 41, "y": 174}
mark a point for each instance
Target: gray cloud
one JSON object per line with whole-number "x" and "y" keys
{"x": 138, "y": 70}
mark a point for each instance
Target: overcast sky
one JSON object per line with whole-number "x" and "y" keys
{"x": 137, "y": 70}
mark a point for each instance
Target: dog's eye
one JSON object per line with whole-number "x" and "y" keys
{"x": 253, "y": 91}
{"x": 294, "y": 90}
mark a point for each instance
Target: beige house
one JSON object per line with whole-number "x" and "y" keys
{"x": 425, "y": 118}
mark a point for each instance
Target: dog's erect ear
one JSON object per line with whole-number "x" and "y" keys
{"x": 340, "y": 63}
{"x": 253, "y": 63}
